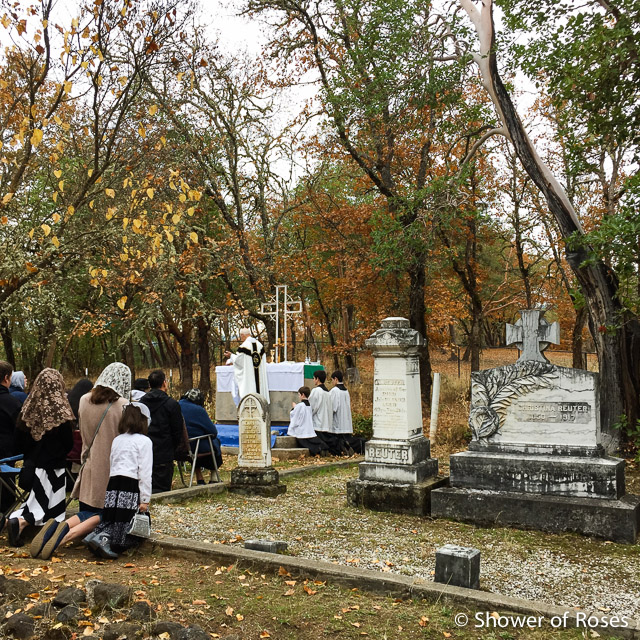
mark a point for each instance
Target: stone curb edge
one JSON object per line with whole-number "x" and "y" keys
{"x": 178, "y": 495}
{"x": 387, "y": 584}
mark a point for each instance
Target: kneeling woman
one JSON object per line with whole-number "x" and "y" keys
{"x": 44, "y": 435}
{"x": 129, "y": 488}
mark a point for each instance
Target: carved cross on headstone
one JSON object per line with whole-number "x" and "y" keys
{"x": 532, "y": 334}
{"x": 251, "y": 408}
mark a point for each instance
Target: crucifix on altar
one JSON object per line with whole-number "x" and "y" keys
{"x": 532, "y": 334}
{"x": 282, "y": 304}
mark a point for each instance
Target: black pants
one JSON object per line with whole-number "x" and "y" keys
{"x": 161, "y": 477}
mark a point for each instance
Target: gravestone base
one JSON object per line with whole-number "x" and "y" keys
{"x": 411, "y": 498}
{"x": 289, "y": 454}
{"x": 617, "y": 520}
{"x": 569, "y": 476}
{"x": 398, "y": 473}
{"x": 262, "y": 481}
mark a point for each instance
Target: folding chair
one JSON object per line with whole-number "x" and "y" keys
{"x": 194, "y": 455}
{"x": 9, "y": 481}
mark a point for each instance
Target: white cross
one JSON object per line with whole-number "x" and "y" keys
{"x": 532, "y": 334}
{"x": 289, "y": 307}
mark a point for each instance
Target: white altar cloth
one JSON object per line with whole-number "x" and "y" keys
{"x": 282, "y": 376}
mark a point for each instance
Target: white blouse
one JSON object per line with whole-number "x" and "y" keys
{"x": 132, "y": 457}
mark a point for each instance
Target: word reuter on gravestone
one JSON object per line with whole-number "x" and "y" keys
{"x": 398, "y": 473}
{"x": 536, "y": 458}
{"x": 254, "y": 473}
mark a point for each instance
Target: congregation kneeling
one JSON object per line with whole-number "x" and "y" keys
{"x": 113, "y": 483}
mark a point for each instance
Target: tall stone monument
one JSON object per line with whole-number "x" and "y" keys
{"x": 398, "y": 473}
{"x": 254, "y": 473}
{"x": 536, "y": 458}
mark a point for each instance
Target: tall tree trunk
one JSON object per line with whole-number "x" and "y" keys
{"x": 616, "y": 336}
{"x": 7, "y": 341}
{"x": 577, "y": 344}
{"x": 51, "y": 351}
{"x": 204, "y": 356}
{"x": 417, "y": 321}
{"x": 332, "y": 339}
{"x": 475, "y": 336}
{"x": 308, "y": 331}
{"x": 129, "y": 356}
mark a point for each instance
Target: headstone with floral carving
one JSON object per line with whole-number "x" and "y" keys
{"x": 536, "y": 458}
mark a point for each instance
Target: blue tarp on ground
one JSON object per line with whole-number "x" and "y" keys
{"x": 228, "y": 433}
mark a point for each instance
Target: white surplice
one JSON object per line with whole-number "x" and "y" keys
{"x": 341, "y": 402}
{"x": 245, "y": 373}
{"x": 301, "y": 425}
{"x": 322, "y": 409}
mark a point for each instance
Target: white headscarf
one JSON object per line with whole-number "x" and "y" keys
{"x": 17, "y": 380}
{"x": 116, "y": 376}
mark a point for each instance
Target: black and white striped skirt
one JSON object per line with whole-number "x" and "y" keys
{"x": 46, "y": 499}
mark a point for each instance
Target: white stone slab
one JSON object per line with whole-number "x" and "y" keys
{"x": 565, "y": 414}
{"x": 254, "y": 429}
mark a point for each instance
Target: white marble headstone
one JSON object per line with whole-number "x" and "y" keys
{"x": 254, "y": 427}
{"x": 397, "y": 407}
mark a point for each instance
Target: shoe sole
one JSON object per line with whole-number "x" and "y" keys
{"x": 39, "y": 541}
{"x": 54, "y": 541}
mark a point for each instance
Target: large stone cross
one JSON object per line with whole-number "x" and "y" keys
{"x": 532, "y": 334}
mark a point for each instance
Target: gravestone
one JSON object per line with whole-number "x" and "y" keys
{"x": 254, "y": 473}
{"x": 398, "y": 473}
{"x": 536, "y": 458}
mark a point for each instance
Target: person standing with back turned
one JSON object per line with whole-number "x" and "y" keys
{"x": 249, "y": 367}
{"x": 166, "y": 430}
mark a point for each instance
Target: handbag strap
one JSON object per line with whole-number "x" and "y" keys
{"x": 94, "y": 436}
{"x": 88, "y": 451}
{"x": 98, "y": 427}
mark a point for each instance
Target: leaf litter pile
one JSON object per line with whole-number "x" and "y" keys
{"x": 314, "y": 519}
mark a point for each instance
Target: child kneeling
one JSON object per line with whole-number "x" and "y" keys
{"x": 301, "y": 424}
{"x": 129, "y": 488}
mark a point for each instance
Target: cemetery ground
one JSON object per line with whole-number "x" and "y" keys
{"x": 232, "y": 600}
{"x": 235, "y": 601}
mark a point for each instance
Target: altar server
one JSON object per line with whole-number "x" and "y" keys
{"x": 301, "y": 424}
{"x": 341, "y": 401}
{"x": 249, "y": 367}
{"x": 322, "y": 410}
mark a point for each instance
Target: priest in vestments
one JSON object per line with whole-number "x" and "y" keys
{"x": 249, "y": 368}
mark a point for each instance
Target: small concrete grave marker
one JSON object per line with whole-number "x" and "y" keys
{"x": 458, "y": 566}
{"x": 536, "y": 458}
{"x": 398, "y": 473}
{"x": 254, "y": 474}
{"x": 268, "y": 546}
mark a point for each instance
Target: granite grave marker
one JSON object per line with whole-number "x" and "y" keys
{"x": 536, "y": 458}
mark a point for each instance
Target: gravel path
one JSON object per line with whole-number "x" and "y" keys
{"x": 313, "y": 517}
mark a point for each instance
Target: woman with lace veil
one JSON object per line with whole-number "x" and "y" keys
{"x": 44, "y": 436}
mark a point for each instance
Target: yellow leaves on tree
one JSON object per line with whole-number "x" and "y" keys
{"x": 122, "y": 302}
{"x": 36, "y": 137}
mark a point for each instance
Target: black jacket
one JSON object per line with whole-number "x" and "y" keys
{"x": 166, "y": 426}
{"x": 9, "y": 409}
{"x": 50, "y": 452}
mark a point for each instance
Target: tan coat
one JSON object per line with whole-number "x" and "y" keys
{"x": 95, "y": 473}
